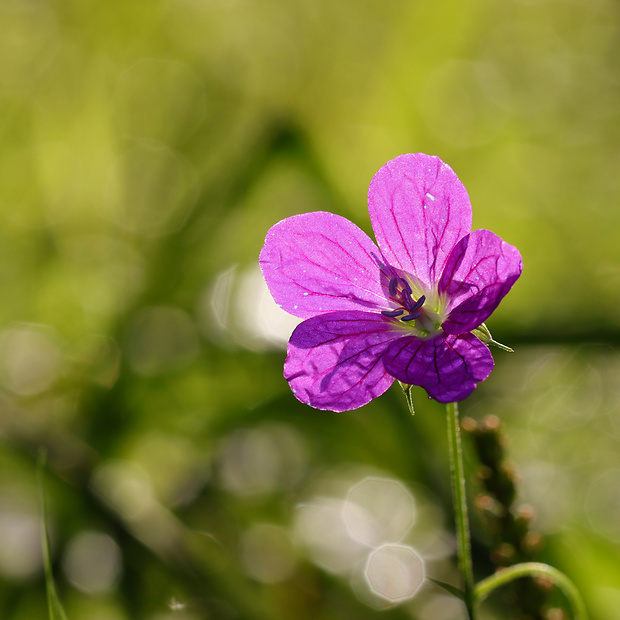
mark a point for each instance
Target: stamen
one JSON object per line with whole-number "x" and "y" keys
{"x": 406, "y": 285}
{"x": 392, "y": 286}
{"x": 418, "y": 304}
{"x": 392, "y": 313}
{"x": 410, "y": 317}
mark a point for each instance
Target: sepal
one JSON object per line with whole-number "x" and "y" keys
{"x": 483, "y": 334}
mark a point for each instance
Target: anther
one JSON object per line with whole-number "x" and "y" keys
{"x": 392, "y": 286}
{"x": 410, "y": 317}
{"x": 406, "y": 285}
{"x": 392, "y": 313}
{"x": 418, "y": 304}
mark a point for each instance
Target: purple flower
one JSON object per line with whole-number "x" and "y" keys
{"x": 404, "y": 310}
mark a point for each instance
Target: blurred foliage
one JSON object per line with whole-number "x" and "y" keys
{"x": 146, "y": 149}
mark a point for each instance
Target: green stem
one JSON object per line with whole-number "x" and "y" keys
{"x": 460, "y": 505}
{"x": 529, "y": 569}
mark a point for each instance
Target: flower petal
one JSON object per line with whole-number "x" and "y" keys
{"x": 334, "y": 360}
{"x": 419, "y": 210}
{"x": 320, "y": 262}
{"x": 481, "y": 269}
{"x": 447, "y": 367}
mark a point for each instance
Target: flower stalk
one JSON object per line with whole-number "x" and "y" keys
{"x": 457, "y": 475}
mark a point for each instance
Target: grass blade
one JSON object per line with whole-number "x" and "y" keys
{"x": 54, "y": 607}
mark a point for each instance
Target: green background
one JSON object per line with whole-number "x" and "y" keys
{"x": 146, "y": 148}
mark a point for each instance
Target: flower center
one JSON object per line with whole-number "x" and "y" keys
{"x": 401, "y": 292}
{"x": 421, "y": 316}
{"x": 419, "y": 312}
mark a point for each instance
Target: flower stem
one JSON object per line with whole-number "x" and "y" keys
{"x": 457, "y": 475}
{"x": 531, "y": 569}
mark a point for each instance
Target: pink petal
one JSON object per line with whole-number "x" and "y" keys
{"x": 334, "y": 360}
{"x": 419, "y": 210}
{"x": 447, "y": 367}
{"x": 320, "y": 262}
{"x": 480, "y": 271}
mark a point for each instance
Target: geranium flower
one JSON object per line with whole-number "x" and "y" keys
{"x": 404, "y": 310}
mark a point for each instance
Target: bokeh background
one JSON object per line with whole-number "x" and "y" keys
{"x": 146, "y": 148}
